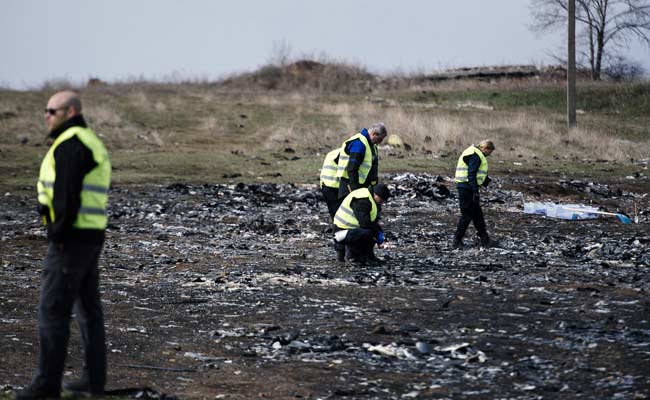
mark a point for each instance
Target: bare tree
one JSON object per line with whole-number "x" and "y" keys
{"x": 602, "y": 24}
{"x": 280, "y": 53}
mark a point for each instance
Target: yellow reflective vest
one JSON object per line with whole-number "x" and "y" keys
{"x": 95, "y": 185}
{"x": 344, "y": 217}
{"x": 364, "y": 168}
{"x": 461, "y": 166}
{"x": 328, "y": 171}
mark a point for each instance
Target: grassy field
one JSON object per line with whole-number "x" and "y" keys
{"x": 160, "y": 133}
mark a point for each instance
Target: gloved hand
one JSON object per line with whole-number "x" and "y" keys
{"x": 380, "y": 237}
{"x": 476, "y": 198}
{"x": 487, "y": 181}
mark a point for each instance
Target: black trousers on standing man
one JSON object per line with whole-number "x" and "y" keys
{"x": 331, "y": 196}
{"x": 70, "y": 279}
{"x": 470, "y": 213}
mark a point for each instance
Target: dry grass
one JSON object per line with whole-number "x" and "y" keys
{"x": 441, "y": 131}
{"x": 200, "y": 126}
{"x": 598, "y": 145}
{"x": 103, "y": 115}
{"x": 147, "y": 116}
{"x": 139, "y": 99}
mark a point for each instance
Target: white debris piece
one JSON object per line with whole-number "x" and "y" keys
{"x": 392, "y": 350}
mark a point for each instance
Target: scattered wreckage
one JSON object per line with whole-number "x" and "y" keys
{"x": 232, "y": 291}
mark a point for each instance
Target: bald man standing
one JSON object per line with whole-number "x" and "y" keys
{"x": 72, "y": 195}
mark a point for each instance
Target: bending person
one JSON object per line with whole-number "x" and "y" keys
{"x": 358, "y": 222}
{"x": 359, "y": 160}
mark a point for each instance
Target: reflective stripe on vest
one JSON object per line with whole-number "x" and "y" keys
{"x": 95, "y": 184}
{"x": 328, "y": 171}
{"x": 461, "y": 166}
{"x": 364, "y": 168}
{"x": 344, "y": 217}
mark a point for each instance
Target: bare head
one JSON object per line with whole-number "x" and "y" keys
{"x": 486, "y": 147}
{"x": 377, "y": 132}
{"x": 61, "y": 107}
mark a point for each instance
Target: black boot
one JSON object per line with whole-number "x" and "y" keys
{"x": 83, "y": 385}
{"x": 457, "y": 243}
{"x": 485, "y": 241}
{"x": 370, "y": 255}
{"x": 46, "y": 384}
{"x": 353, "y": 256}
{"x": 340, "y": 254}
{"x": 340, "y": 251}
{"x": 80, "y": 385}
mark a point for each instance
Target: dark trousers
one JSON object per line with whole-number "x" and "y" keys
{"x": 331, "y": 196}
{"x": 469, "y": 212}
{"x": 359, "y": 244}
{"x": 70, "y": 278}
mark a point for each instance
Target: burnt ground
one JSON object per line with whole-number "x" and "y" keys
{"x": 230, "y": 291}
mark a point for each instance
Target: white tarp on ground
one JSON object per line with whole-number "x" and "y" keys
{"x": 562, "y": 211}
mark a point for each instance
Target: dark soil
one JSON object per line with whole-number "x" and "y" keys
{"x": 219, "y": 291}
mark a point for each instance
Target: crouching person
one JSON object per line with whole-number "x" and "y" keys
{"x": 357, "y": 222}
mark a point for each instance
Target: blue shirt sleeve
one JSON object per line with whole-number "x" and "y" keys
{"x": 355, "y": 146}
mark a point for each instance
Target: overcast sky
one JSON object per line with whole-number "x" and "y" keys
{"x": 159, "y": 39}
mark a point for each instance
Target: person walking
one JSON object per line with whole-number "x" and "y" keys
{"x": 471, "y": 173}
{"x": 357, "y": 222}
{"x": 73, "y": 189}
{"x": 359, "y": 160}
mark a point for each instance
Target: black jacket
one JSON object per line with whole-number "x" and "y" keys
{"x": 73, "y": 160}
{"x": 361, "y": 209}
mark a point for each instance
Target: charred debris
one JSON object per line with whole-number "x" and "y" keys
{"x": 230, "y": 280}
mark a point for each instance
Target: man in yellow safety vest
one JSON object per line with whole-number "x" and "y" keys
{"x": 357, "y": 221}
{"x": 471, "y": 173}
{"x": 73, "y": 189}
{"x": 358, "y": 165}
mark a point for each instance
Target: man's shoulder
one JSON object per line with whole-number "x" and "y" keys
{"x": 356, "y": 144}
{"x": 361, "y": 201}
{"x": 471, "y": 157}
{"x": 75, "y": 151}
{"x": 73, "y": 143}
